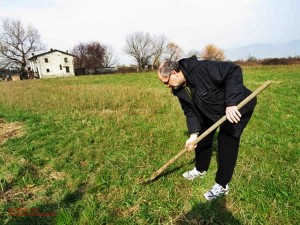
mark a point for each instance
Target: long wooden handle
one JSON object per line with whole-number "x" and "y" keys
{"x": 209, "y": 130}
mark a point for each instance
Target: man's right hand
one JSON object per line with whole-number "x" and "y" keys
{"x": 233, "y": 114}
{"x": 188, "y": 143}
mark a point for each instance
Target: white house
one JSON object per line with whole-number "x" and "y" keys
{"x": 54, "y": 63}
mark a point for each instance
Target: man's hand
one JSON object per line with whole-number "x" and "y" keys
{"x": 188, "y": 143}
{"x": 233, "y": 114}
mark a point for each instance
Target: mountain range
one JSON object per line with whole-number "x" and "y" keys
{"x": 262, "y": 51}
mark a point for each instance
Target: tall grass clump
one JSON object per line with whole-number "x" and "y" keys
{"x": 89, "y": 143}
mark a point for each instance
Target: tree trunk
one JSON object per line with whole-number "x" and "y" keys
{"x": 23, "y": 72}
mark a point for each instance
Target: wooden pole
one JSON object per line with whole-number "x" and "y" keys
{"x": 208, "y": 131}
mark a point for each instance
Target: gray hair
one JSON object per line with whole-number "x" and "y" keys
{"x": 167, "y": 66}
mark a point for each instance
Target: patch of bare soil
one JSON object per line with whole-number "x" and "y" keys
{"x": 9, "y": 130}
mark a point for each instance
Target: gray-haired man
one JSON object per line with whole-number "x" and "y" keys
{"x": 206, "y": 91}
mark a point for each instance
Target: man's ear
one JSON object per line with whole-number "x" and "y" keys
{"x": 173, "y": 71}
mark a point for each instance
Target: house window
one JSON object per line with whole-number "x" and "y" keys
{"x": 60, "y": 67}
{"x": 46, "y": 60}
{"x": 67, "y": 69}
{"x": 66, "y": 59}
{"x": 48, "y": 70}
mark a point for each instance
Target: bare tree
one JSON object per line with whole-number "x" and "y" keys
{"x": 89, "y": 56}
{"x": 16, "y": 44}
{"x": 212, "y": 52}
{"x": 109, "y": 58}
{"x": 80, "y": 52}
{"x": 95, "y": 55}
{"x": 140, "y": 48}
{"x": 159, "y": 48}
{"x": 174, "y": 52}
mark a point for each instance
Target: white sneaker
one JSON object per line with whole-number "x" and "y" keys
{"x": 216, "y": 191}
{"x": 190, "y": 175}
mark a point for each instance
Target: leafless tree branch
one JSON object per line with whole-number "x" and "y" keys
{"x": 16, "y": 43}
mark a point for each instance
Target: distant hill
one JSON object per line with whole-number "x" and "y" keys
{"x": 262, "y": 51}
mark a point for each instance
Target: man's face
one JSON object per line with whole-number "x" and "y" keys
{"x": 173, "y": 81}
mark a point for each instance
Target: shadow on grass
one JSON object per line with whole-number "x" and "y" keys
{"x": 209, "y": 213}
{"x": 168, "y": 172}
{"x": 163, "y": 175}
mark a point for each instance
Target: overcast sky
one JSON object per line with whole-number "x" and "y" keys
{"x": 191, "y": 24}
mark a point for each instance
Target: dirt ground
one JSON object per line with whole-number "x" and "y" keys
{"x": 9, "y": 130}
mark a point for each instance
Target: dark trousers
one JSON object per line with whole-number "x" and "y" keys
{"x": 228, "y": 147}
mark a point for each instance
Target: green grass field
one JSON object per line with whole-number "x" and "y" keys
{"x": 89, "y": 142}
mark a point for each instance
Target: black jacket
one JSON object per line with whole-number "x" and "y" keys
{"x": 212, "y": 86}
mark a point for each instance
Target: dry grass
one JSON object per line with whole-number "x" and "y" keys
{"x": 9, "y": 130}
